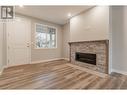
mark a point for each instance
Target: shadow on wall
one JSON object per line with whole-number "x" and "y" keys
{"x": 119, "y": 38}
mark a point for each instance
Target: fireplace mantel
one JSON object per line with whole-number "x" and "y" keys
{"x": 103, "y": 41}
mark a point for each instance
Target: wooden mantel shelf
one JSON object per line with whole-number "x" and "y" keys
{"x": 104, "y": 41}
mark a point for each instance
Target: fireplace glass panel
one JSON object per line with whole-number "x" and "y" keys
{"x": 86, "y": 58}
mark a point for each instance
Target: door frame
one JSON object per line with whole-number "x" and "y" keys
{"x": 7, "y": 42}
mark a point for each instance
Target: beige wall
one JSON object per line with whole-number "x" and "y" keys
{"x": 66, "y": 39}
{"x": 45, "y": 54}
{"x": 1, "y": 46}
{"x": 119, "y": 39}
{"x": 90, "y": 25}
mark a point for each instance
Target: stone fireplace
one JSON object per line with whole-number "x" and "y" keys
{"x": 95, "y": 54}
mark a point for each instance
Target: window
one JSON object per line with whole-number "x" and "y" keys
{"x": 45, "y": 36}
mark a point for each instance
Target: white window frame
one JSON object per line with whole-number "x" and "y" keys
{"x": 35, "y": 47}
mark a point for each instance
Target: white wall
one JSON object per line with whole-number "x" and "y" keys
{"x": 1, "y": 47}
{"x": 66, "y": 39}
{"x": 90, "y": 25}
{"x": 119, "y": 39}
{"x": 110, "y": 40}
{"x": 46, "y": 54}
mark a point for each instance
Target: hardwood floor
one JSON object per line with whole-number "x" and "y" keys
{"x": 58, "y": 75}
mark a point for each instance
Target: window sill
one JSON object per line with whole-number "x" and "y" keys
{"x": 44, "y": 48}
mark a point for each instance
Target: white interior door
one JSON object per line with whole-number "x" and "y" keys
{"x": 19, "y": 40}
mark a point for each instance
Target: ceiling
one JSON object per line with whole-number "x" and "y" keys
{"x": 55, "y": 14}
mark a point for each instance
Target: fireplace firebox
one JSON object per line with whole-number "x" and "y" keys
{"x": 86, "y": 58}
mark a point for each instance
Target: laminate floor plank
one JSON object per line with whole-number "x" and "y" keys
{"x": 58, "y": 74}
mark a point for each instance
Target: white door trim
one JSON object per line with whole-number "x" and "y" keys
{"x": 7, "y": 43}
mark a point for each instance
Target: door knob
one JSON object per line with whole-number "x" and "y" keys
{"x": 28, "y": 45}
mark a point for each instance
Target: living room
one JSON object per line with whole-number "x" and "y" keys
{"x": 44, "y": 47}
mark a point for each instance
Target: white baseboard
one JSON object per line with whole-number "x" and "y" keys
{"x": 119, "y": 71}
{"x": 1, "y": 71}
{"x": 41, "y": 61}
{"x": 34, "y": 62}
{"x": 12, "y": 65}
{"x": 67, "y": 59}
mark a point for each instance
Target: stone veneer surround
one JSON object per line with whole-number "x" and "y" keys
{"x": 99, "y": 47}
